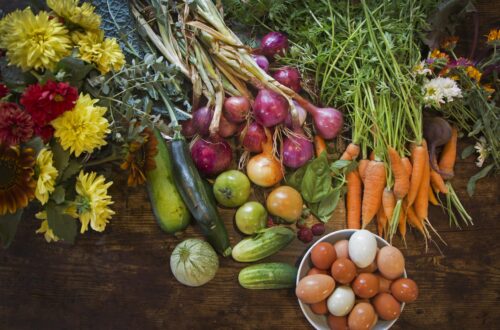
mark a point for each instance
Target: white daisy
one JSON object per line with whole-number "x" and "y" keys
{"x": 440, "y": 90}
{"x": 482, "y": 150}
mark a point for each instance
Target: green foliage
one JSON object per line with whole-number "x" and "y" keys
{"x": 317, "y": 182}
{"x": 63, "y": 225}
{"x": 8, "y": 227}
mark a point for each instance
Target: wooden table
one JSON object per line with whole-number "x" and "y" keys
{"x": 120, "y": 279}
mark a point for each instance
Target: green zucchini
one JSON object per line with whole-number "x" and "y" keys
{"x": 263, "y": 244}
{"x": 272, "y": 275}
{"x": 198, "y": 197}
{"x": 169, "y": 209}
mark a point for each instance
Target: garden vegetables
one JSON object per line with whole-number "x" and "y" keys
{"x": 194, "y": 262}
{"x": 273, "y": 275}
{"x": 263, "y": 244}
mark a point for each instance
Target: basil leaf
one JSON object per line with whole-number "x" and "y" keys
{"x": 295, "y": 179}
{"x": 325, "y": 208}
{"x": 471, "y": 185}
{"x": 317, "y": 182}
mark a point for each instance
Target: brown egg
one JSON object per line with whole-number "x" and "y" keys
{"x": 314, "y": 271}
{"x": 337, "y": 322}
{"x": 314, "y": 288}
{"x": 387, "y": 307}
{"x": 368, "y": 269}
{"x": 365, "y": 285}
{"x": 342, "y": 248}
{"x": 319, "y": 308}
{"x": 384, "y": 285}
{"x": 390, "y": 262}
{"x": 361, "y": 317}
{"x": 323, "y": 255}
{"x": 343, "y": 270}
{"x": 405, "y": 290}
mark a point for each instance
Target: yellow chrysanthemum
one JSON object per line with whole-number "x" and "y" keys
{"x": 45, "y": 229}
{"x": 105, "y": 53}
{"x": 83, "y": 15}
{"x": 34, "y": 41}
{"x": 93, "y": 201}
{"x": 473, "y": 73}
{"x": 47, "y": 175}
{"x": 82, "y": 129}
{"x": 493, "y": 37}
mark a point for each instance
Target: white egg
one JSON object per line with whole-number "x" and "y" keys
{"x": 362, "y": 248}
{"x": 341, "y": 301}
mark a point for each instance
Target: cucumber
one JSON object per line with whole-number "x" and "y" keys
{"x": 169, "y": 209}
{"x": 198, "y": 196}
{"x": 272, "y": 275}
{"x": 263, "y": 244}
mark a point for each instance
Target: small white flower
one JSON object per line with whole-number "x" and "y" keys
{"x": 482, "y": 150}
{"x": 421, "y": 69}
{"x": 440, "y": 90}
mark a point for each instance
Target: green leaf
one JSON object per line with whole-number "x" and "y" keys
{"x": 73, "y": 168}
{"x": 63, "y": 225}
{"x": 61, "y": 157}
{"x": 36, "y": 143}
{"x": 58, "y": 195}
{"x": 294, "y": 179}
{"x": 325, "y": 208}
{"x": 75, "y": 68}
{"x": 471, "y": 185}
{"x": 317, "y": 182}
{"x": 8, "y": 227}
{"x": 467, "y": 152}
{"x": 339, "y": 164}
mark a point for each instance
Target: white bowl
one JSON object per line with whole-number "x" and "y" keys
{"x": 319, "y": 321}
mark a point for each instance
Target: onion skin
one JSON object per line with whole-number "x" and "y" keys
{"x": 328, "y": 122}
{"x": 188, "y": 129}
{"x": 437, "y": 132}
{"x": 236, "y": 109}
{"x": 289, "y": 77}
{"x": 227, "y": 128}
{"x": 262, "y": 62}
{"x": 297, "y": 150}
{"x": 202, "y": 119}
{"x": 270, "y": 108}
{"x": 211, "y": 157}
{"x": 274, "y": 43}
{"x": 302, "y": 117}
{"x": 254, "y": 138}
{"x": 264, "y": 169}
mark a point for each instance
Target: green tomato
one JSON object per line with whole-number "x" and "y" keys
{"x": 251, "y": 217}
{"x": 232, "y": 188}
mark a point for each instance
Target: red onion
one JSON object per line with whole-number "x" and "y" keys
{"x": 297, "y": 149}
{"x": 227, "y": 128}
{"x": 327, "y": 121}
{"x": 236, "y": 108}
{"x": 290, "y": 77}
{"x": 262, "y": 62}
{"x": 202, "y": 119}
{"x": 274, "y": 43}
{"x": 188, "y": 129}
{"x": 269, "y": 108}
{"x": 302, "y": 117}
{"x": 254, "y": 137}
{"x": 211, "y": 157}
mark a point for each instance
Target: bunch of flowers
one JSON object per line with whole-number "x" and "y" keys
{"x": 466, "y": 92}
{"x": 48, "y": 128}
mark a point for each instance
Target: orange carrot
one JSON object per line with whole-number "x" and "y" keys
{"x": 351, "y": 152}
{"x": 421, "y": 203}
{"x": 388, "y": 202}
{"x": 418, "y": 160}
{"x": 432, "y": 198}
{"x": 401, "y": 177}
{"x": 353, "y": 200}
{"x": 407, "y": 164}
{"x": 402, "y": 222}
{"x": 319, "y": 145}
{"x": 414, "y": 221}
{"x": 449, "y": 156}
{"x": 374, "y": 188}
{"x": 438, "y": 182}
{"x": 381, "y": 221}
{"x": 363, "y": 163}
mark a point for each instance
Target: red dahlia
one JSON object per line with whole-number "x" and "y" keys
{"x": 15, "y": 124}
{"x": 47, "y": 102}
{"x": 3, "y": 90}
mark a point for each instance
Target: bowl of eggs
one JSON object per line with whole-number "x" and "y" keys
{"x": 353, "y": 279}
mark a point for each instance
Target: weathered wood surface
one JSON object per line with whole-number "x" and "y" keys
{"x": 121, "y": 279}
